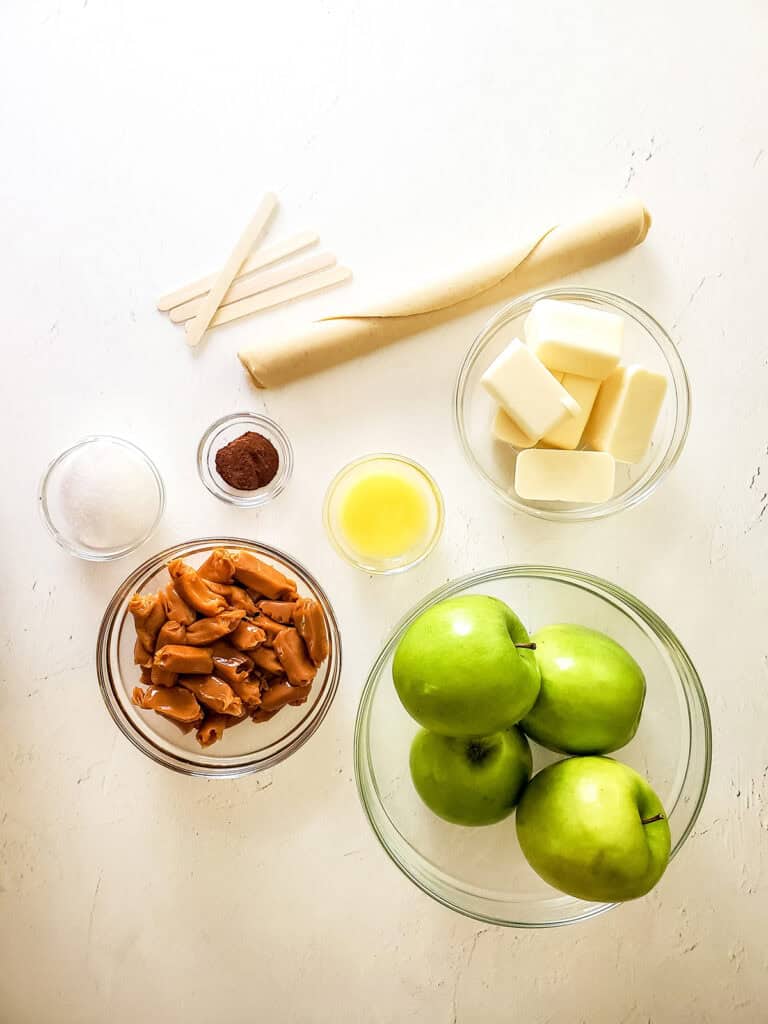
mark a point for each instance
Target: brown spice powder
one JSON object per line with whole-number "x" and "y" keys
{"x": 249, "y": 462}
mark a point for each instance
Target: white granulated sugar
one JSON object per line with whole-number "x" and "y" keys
{"x": 107, "y": 497}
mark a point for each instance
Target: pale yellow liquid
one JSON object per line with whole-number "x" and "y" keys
{"x": 383, "y": 515}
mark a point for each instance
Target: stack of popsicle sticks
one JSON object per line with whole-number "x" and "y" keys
{"x": 243, "y": 287}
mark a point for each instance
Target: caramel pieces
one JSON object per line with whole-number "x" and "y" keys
{"x": 193, "y": 589}
{"x": 148, "y": 617}
{"x": 206, "y": 631}
{"x": 171, "y": 702}
{"x": 214, "y": 694}
{"x": 180, "y": 658}
{"x": 261, "y": 578}
{"x": 292, "y": 655}
{"x": 225, "y": 642}
{"x": 219, "y": 566}
{"x": 310, "y": 623}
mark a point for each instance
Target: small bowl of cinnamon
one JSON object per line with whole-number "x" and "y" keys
{"x": 245, "y": 459}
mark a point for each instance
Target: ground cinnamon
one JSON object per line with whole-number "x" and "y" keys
{"x": 249, "y": 462}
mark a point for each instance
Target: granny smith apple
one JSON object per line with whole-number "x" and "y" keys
{"x": 458, "y": 671}
{"x": 471, "y": 781}
{"x": 594, "y": 828}
{"x": 591, "y": 695}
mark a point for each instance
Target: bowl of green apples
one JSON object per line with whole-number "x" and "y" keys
{"x": 532, "y": 746}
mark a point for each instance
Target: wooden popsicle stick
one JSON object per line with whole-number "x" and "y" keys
{"x": 261, "y": 258}
{"x": 256, "y": 283}
{"x": 252, "y": 234}
{"x": 276, "y": 296}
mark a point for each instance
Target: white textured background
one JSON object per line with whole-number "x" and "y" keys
{"x": 136, "y": 139}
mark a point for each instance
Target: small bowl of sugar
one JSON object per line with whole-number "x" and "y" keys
{"x": 101, "y": 498}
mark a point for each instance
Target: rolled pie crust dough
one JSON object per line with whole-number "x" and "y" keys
{"x": 560, "y": 250}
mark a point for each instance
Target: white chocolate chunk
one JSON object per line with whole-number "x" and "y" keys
{"x": 542, "y": 474}
{"x": 625, "y": 413}
{"x": 505, "y": 429}
{"x": 568, "y": 434}
{"x": 575, "y": 339}
{"x": 527, "y": 391}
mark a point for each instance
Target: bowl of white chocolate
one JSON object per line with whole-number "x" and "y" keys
{"x": 572, "y": 404}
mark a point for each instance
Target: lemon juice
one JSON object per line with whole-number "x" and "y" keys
{"x": 384, "y": 515}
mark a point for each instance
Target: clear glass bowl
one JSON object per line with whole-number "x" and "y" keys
{"x": 413, "y": 473}
{"x": 645, "y": 342}
{"x": 250, "y": 747}
{"x": 228, "y": 429}
{"x": 481, "y": 872}
{"x": 58, "y": 500}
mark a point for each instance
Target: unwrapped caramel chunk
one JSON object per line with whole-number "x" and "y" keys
{"x": 247, "y": 635}
{"x": 148, "y": 616}
{"x": 176, "y": 608}
{"x": 280, "y": 611}
{"x": 141, "y": 656}
{"x": 194, "y": 589}
{"x": 262, "y": 578}
{"x": 185, "y": 660}
{"x": 212, "y": 729}
{"x": 214, "y": 725}
{"x": 293, "y": 656}
{"x": 249, "y": 691}
{"x": 236, "y": 597}
{"x": 280, "y": 694}
{"x": 162, "y": 676}
{"x": 206, "y": 631}
{"x": 213, "y": 693}
{"x": 270, "y": 627}
{"x": 310, "y": 622}
{"x": 266, "y": 659}
{"x": 172, "y": 632}
{"x": 229, "y": 663}
{"x": 219, "y": 566}
{"x": 171, "y": 702}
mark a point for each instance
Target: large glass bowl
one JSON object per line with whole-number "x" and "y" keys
{"x": 248, "y": 748}
{"x": 481, "y": 872}
{"x": 645, "y": 342}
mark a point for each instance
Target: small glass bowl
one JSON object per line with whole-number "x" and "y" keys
{"x": 481, "y": 872}
{"x": 52, "y": 496}
{"x": 228, "y": 429}
{"x": 413, "y": 473}
{"x": 645, "y": 342}
{"x": 250, "y": 747}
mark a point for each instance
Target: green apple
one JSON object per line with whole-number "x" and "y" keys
{"x": 591, "y": 695}
{"x": 458, "y": 671}
{"x": 594, "y": 828}
{"x": 471, "y": 781}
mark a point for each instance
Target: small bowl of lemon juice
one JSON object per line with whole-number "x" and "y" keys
{"x": 383, "y": 513}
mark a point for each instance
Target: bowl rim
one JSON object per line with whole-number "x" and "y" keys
{"x": 677, "y": 377}
{"x": 437, "y": 496}
{"x": 604, "y": 588}
{"x": 190, "y": 765}
{"x": 68, "y": 545}
{"x": 263, "y": 495}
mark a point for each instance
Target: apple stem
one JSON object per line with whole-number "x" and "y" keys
{"x": 656, "y": 817}
{"x": 526, "y": 647}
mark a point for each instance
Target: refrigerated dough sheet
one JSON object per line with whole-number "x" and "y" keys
{"x": 558, "y": 250}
